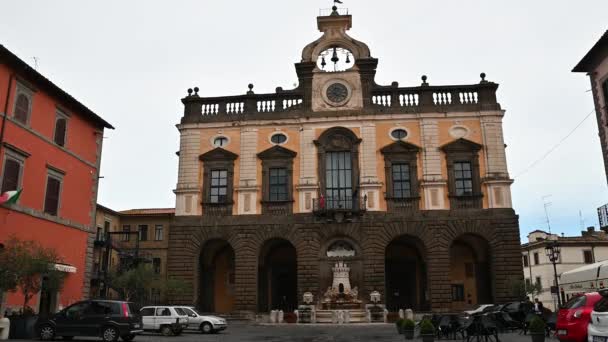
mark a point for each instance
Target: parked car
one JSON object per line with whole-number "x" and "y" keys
{"x": 518, "y": 310}
{"x": 479, "y": 309}
{"x": 205, "y": 323}
{"x": 167, "y": 320}
{"x": 573, "y": 317}
{"x": 104, "y": 318}
{"x": 597, "y": 330}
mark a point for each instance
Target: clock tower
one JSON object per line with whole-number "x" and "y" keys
{"x": 342, "y": 68}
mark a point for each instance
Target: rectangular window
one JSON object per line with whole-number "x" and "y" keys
{"x": 526, "y": 264}
{"x": 528, "y": 283}
{"x": 53, "y": 193}
{"x": 12, "y": 173}
{"x": 338, "y": 180}
{"x": 463, "y": 178}
{"x": 126, "y": 236}
{"x": 277, "y": 177}
{"x": 23, "y": 104}
{"x": 457, "y": 293}
{"x": 538, "y": 281}
{"x": 158, "y": 232}
{"x": 106, "y": 227}
{"x": 99, "y": 236}
{"x": 588, "y": 257}
{"x": 156, "y": 265}
{"x": 401, "y": 180}
{"x": 143, "y": 232}
{"x": 61, "y": 126}
{"x": 219, "y": 186}
{"x": 536, "y": 260}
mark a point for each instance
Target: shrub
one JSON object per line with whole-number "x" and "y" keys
{"x": 537, "y": 325}
{"x": 426, "y": 327}
{"x": 399, "y": 323}
{"x": 408, "y": 324}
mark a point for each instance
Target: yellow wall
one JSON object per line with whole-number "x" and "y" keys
{"x": 461, "y": 254}
{"x": 223, "y": 290}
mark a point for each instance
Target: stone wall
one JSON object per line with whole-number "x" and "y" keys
{"x": 372, "y": 233}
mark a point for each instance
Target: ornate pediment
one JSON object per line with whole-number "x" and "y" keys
{"x": 400, "y": 147}
{"x": 277, "y": 152}
{"x": 218, "y": 154}
{"x": 338, "y": 138}
{"x": 461, "y": 145}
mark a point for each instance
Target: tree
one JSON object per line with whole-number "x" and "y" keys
{"x": 174, "y": 288}
{"x": 521, "y": 290}
{"x": 24, "y": 264}
{"x": 132, "y": 284}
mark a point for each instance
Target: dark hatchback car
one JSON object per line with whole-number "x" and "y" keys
{"x": 97, "y": 318}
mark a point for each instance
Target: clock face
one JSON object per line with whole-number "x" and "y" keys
{"x": 337, "y": 92}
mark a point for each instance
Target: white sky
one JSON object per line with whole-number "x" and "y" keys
{"x": 132, "y": 61}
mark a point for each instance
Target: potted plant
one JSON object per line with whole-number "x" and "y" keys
{"x": 427, "y": 330}
{"x": 399, "y": 325}
{"x": 408, "y": 329}
{"x": 537, "y": 329}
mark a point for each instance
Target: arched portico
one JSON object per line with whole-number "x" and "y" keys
{"x": 216, "y": 277}
{"x": 470, "y": 271}
{"x": 277, "y": 276}
{"x": 405, "y": 274}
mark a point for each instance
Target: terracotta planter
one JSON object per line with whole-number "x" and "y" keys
{"x": 427, "y": 337}
{"x": 538, "y": 337}
{"x": 408, "y": 334}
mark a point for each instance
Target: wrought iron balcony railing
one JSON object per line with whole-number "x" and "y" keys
{"x": 324, "y": 205}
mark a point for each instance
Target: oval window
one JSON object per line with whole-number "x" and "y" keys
{"x": 278, "y": 138}
{"x": 399, "y": 134}
{"x": 220, "y": 141}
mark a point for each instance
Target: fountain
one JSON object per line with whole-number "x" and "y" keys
{"x": 340, "y": 295}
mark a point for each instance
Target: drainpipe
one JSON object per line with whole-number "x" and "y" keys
{"x": 8, "y": 94}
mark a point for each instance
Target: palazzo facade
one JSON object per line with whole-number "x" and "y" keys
{"x": 408, "y": 186}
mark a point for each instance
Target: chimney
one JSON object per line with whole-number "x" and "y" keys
{"x": 591, "y": 229}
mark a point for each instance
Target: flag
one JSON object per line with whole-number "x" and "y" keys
{"x": 10, "y": 197}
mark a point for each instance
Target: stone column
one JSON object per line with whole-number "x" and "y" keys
{"x": 307, "y": 187}
{"x": 370, "y": 185}
{"x": 506, "y": 257}
{"x": 308, "y": 262}
{"x": 247, "y": 190}
{"x": 188, "y": 192}
{"x": 433, "y": 185}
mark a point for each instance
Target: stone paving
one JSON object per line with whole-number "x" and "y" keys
{"x": 303, "y": 333}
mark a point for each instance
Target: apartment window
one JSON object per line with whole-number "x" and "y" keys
{"x": 464, "y": 182}
{"x": 156, "y": 265}
{"x": 99, "y": 235}
{"x": 528, "y": 283}
{"x": 526, "y": 263}
{"x": 53, "y": 192}
{"x": 401, "y": 180}
{"x": 13, "y": 171}
{"x": 61, "y": 125}
{"x": 126, "y": 230}
{"x": 538, "y": 281}
{"x": 588, "y": 257}
{"x": 536, "y": 261}
{"x": 278, "y": 184}
{"x": 463, "y": 178}
{"x": 219, "y": 186}
{"x": 23, "y": 104}
{"x": 143, "y": 232}
{"x": 158, "y": 232}
{"x": 338, "y": 180}
{"x": 457, "y": 293}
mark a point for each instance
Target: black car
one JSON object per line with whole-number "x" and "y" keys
{"x": 104, "y": 318}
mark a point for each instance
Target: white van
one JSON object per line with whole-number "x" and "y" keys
{"x": 167, "y": 320}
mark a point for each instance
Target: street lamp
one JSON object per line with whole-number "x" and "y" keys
{"x": 552, "y": 250}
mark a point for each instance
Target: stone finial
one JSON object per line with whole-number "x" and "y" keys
{"x": 374, "y": 297}
{"x": 395, "y": 84}
{"x": 279, "y": 89}
{"x": 250, "y": 86}
{"x": 196, "y": 91}
{"x": 483, "y": 77}
{"x": 424, "y": 78}
{"x": 189, "y": 91}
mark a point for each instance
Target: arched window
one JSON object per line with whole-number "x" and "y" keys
{"x": 22, "y": 108}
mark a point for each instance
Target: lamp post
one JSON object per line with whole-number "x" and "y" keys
{"x": 552, "y": 250}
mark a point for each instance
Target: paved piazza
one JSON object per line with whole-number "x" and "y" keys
{"x": 303, "y": 333}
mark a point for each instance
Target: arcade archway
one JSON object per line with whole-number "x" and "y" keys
{"x": 277, "y": 276}
{"x": 405, "y": 274}
{"x": 470, "y": 272}
{"x": 216, "y": 290}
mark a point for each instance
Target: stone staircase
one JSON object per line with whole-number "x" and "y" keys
{"x": 327, "y": 316}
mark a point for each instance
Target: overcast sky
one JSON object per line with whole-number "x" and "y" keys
{"x": 132, "y": 61}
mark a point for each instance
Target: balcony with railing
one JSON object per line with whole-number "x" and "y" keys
{"x": 339, "y": 208}
{"x": 466, "y": 202}
{"x": 390, "y": 99}
{"x": 406, "y": 206}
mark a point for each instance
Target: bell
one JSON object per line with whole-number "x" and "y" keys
{"x": 323, "y": 64}
{"x": 347, "y": 58}
{"x": 334, "y": 57}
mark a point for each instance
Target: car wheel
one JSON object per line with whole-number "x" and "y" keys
{"x": 47, "y": 332}
{"x": 128, "y": 338}
{"x": 206, "y": 328}
{"x": 166, "y": 330}
{"x": 109, "y": 334}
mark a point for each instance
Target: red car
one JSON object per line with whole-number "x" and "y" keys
{"x": 574, "y": 316}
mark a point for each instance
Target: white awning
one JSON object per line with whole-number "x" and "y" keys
{"x": 64, "y": 268}
{"x": 586, "y": 278}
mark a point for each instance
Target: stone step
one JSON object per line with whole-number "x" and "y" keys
{"x": 355, "y": 316}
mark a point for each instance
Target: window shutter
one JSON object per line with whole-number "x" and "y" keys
{"x": 22, "y": 108}
{"x": 51, "y": 201}
{"x": 10, "y": 181}
{"x": 60, "y": 128}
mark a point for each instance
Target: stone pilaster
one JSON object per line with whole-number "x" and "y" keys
{"x": 188, "y": 191}
{"x": 308, "y": 183}
{"x": 247, "y": 189}
{"x": 370, "y": 184}
{"x": 496, "y": 179}
{"x": 433, "y": 185}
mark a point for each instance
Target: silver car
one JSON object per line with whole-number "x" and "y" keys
{"x": 207, "y": 324}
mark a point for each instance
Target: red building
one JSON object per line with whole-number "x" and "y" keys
{"x": 50, "y": 146}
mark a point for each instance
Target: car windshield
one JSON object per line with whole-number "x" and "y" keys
{"x": 575, "y": 303}
{"x": 181, "y": 312}
{"x": 188, "y": 311}
{"x": 601, "y": 305}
